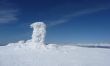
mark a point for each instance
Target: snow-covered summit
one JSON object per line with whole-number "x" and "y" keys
{"x": 34, "y": 52}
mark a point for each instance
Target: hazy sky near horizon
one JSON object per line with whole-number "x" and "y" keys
{"x": 68, "y": 21}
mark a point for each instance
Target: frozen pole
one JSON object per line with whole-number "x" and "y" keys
{"x": 38, "y": 35}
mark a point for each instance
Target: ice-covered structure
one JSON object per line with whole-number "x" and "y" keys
{"x": 39, "y": 33}
{"x": 38, "y": 37}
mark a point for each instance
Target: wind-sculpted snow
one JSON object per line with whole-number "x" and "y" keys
{"x": 39, "y": 31}
{"x": 38, "y": 37}
{"x": 35, "y": 52}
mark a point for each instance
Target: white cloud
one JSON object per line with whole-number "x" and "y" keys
{"x": 7, "y": 12}
{"x": 57, "y": 22}
{"x": 68, "y": 17}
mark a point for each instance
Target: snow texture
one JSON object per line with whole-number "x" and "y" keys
{"x": 34, "y": 52}
{"x": 39, "y": 31}
{"x": 38, "y": 37}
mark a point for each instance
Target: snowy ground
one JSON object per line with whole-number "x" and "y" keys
{"x": 35, "y": 52}
{"x": 54, "y": 55}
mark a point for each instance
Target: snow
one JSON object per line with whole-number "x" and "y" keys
{"x": 39, "y": 31}
{"x": 34, "y": 52}
{"x": 54, "y": 55}
{"x": 38, "y": 37}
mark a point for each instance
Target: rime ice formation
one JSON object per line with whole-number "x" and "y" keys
{"x": 38, "y": 35}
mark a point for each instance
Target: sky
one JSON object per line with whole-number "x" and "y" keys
{"x": 68, "y": 21}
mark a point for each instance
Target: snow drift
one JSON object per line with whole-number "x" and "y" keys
{"x": 34, "y": 52}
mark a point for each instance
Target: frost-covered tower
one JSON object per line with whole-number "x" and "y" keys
{"x": 38, "y": 35}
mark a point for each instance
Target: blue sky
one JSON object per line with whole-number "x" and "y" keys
{"x": 68, "y": 21}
